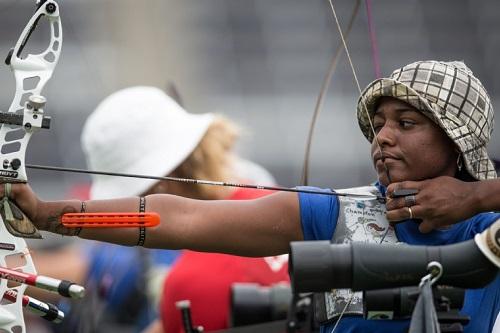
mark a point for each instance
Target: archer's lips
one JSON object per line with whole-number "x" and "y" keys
{"x": 378, "y": 157}
{"x": 388, "y": 161}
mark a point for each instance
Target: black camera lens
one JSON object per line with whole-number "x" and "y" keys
{"x": 398, "y": 303}
{"x": 253, "y": 304}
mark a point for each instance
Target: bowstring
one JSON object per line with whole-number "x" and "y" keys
{"x": 363, "y": 102}
{"x": 365, "y": 109}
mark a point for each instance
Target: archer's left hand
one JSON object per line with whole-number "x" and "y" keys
{"x": 440, "y": 202}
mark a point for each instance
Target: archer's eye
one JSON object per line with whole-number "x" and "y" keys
{"x": 405, "y": 123}
{"x": 377, "y": 126}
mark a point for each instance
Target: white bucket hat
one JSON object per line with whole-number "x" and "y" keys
{"x": 138, "y": 130}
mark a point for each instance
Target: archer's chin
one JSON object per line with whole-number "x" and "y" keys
{"x": 383, "y": 180}
{"x": 396, "y": 177}
{"x": 382, "y": 175}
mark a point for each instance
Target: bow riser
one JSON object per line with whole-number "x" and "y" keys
{"x": 31, "y": 74}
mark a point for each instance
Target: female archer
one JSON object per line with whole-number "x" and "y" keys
{"x": 429, "y": 123}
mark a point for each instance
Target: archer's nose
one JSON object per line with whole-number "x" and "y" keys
{"x": 386, "y": 135}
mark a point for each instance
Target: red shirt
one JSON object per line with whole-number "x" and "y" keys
{"x": 206, "y": 278}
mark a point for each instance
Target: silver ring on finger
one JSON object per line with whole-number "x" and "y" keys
{"x": 410, "y": 200}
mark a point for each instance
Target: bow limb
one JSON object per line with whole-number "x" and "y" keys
{"x": 24, "y": 117}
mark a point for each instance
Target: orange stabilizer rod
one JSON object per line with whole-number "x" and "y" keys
{"x": 110, "y": 220}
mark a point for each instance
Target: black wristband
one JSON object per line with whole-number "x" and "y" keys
{"x": 142, "y": 230}
{"x": 83, "y": 208}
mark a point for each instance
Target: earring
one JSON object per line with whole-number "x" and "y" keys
{"x": 459, "y": 162}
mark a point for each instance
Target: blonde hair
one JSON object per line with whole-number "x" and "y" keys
{"x": 211, "y": 159}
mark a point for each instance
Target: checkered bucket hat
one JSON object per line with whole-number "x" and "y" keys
{"x": 450, "y": 95}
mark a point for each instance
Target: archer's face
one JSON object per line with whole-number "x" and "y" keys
{"x": 415, "y": 148}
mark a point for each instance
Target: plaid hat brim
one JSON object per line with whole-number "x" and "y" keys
{"x": 477, "y": 161}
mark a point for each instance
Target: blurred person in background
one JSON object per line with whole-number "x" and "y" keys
{"x": 141, "y": 130}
